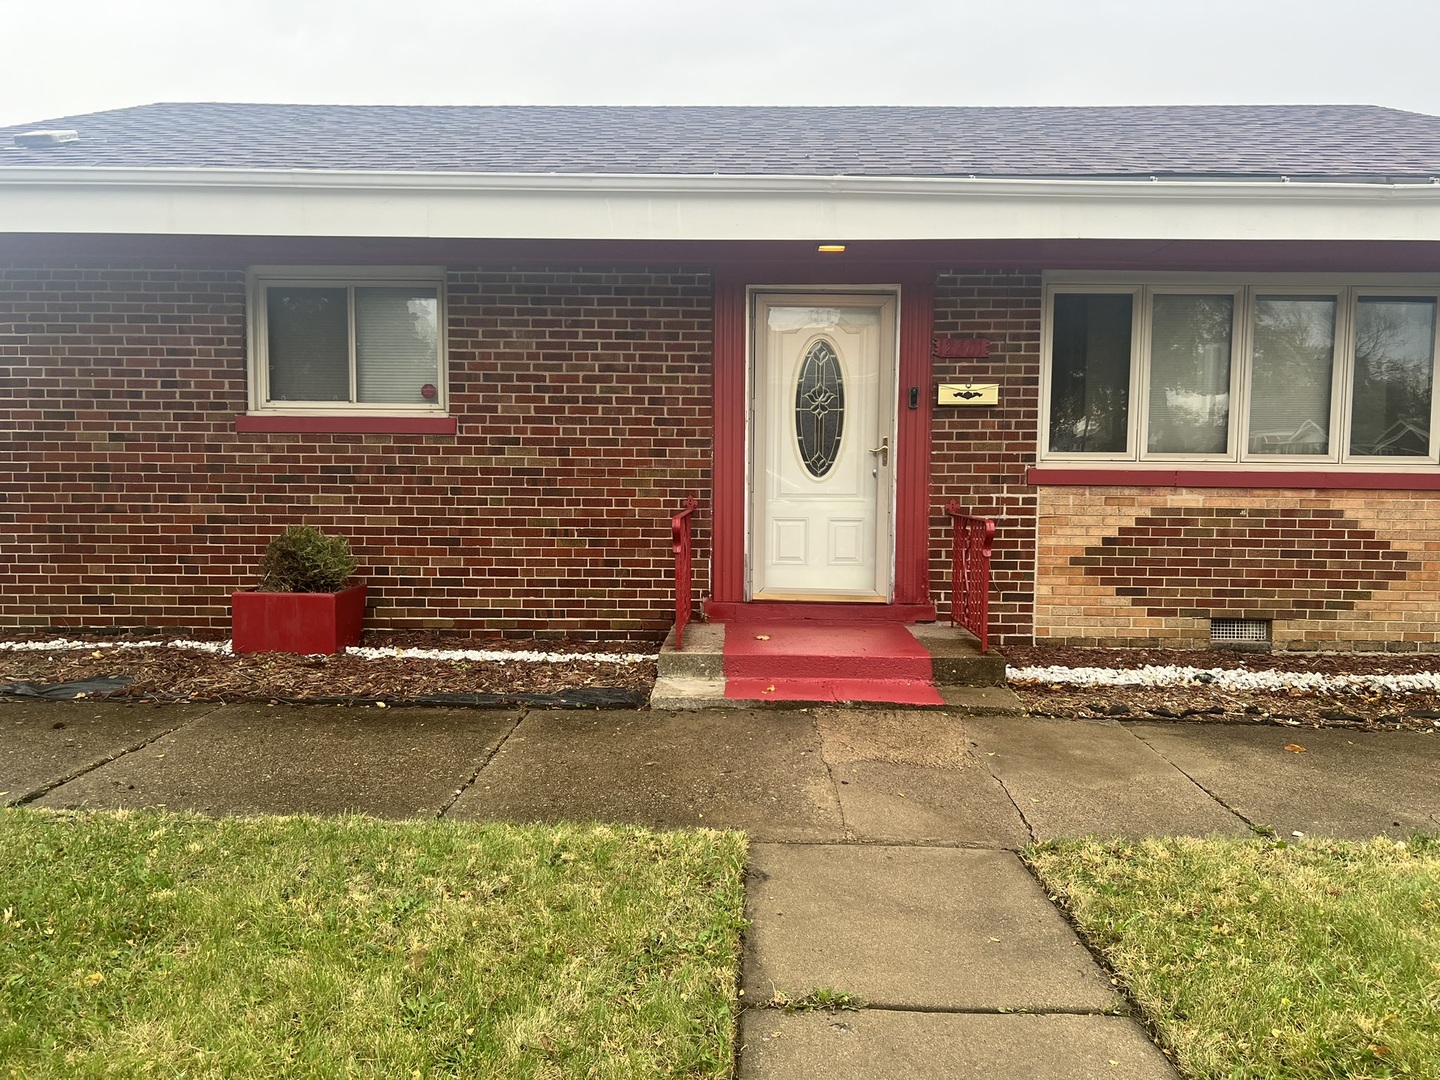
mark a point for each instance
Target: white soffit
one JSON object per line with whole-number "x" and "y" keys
{"x": 265, "y": 203}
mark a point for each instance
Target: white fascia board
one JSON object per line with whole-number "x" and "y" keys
{"x": 445, "y": 205}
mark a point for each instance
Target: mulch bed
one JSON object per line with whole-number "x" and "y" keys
{"x": 164, "y": 674}
{"x": 1196, "y": 702}
{"x": 189, "y": 675}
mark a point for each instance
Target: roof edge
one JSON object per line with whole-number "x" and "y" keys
{"x": 686, "y": 183}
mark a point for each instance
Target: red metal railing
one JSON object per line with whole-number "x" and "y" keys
{"x": 972, "y": 541}
{"x": 684, "y": 586}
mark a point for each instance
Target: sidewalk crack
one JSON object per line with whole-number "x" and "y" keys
{"x": 1024, "y": 820}
{"x": 45, "y": 789}
{"x": 475, "y": 774}
{"x": 976, "y": 1010}
{"x": 1214, "y": 796}
{"x": 830, "y": 772}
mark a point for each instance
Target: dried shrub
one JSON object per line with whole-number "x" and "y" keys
{"x": 304, "y": 559}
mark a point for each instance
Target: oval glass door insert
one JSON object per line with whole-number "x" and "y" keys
{"x": 819, "y": 408}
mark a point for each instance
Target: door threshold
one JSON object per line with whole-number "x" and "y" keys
{"x": 772, "y": 610}
{"x": 817, "y": 598}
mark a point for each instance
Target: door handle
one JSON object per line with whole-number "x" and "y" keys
{"x": 883, "y": 450}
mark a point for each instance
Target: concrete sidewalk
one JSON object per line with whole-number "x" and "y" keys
{"x": 884, "y": 861}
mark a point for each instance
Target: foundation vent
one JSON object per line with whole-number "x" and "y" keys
{"x": 1240, "y": 632}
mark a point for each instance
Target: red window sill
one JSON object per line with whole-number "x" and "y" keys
{"x": 1235, "y": 478}
{"x": 351, "y": 425}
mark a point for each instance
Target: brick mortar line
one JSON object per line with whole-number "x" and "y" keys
{"x": 42, "y": 791}
{"x": 475, "y": 775}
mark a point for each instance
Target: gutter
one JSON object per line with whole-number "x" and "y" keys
{"x": 1285, "y": 188}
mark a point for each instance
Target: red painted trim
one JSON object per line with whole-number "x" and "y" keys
{"x": 788, "y": 610}
{"x": 1299, "y": 479}
{"x": 912, "y": 445}
{"x": 351, "y": 425}
{"x": 727, "y": 522}
{"x": 912, "y": 442}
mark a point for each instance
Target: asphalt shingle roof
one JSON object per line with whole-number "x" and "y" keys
{"x": 1266, "y": 141}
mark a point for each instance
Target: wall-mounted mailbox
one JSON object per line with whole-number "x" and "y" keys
{"x": 969, "y": 394}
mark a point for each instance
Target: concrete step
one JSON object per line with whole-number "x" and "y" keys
{"x": 695, "y": 677}
{"x": 957, "y": 658}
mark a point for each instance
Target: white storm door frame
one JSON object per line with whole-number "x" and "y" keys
{"x": 847, "y": 556}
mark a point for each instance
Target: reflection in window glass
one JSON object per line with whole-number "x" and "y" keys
{"x": 1394, "y": 358}
{"x": 1294, "y": 357}
{"x": 1190, "y": 374}
{"x": 395, "y": 343}
{"x": 1090, "y": 373}
{"x": 309, "y": 344}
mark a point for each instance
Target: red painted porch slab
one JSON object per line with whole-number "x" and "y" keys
{"x": 812, "y": 661}
{"x": 886, "y": 691}
{"x": 812, "y": 650}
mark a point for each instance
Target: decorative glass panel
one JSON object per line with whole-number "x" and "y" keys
{"x": 1190, "y": 374}
{"x": 1293, "y": 361}
{"x": 1394, "y": 362}
{"x": 1090, "y": 376}
{"x": 819, "y": 408}
{"x": 309, "y": 346}
{"x": 396, "y": 345}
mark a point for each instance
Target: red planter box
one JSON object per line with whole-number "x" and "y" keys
{"x": 303, "y": 623}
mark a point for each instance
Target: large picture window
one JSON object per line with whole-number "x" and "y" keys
{"x": 368, "y": 341}
{"x": 1239, "y": 372}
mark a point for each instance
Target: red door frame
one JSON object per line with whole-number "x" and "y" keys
{"x": 912, "y": 601}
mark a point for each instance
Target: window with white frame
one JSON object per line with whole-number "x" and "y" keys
{"x": 1233, "y": 371}
{"x": 359, "y": 341}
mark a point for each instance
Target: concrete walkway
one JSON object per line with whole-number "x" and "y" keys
{"x": 884, "y": 860}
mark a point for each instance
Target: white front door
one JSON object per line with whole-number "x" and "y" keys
{"x": 822, "y": 446}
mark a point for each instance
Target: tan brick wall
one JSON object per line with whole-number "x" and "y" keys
{"x": 1152, "y": 566}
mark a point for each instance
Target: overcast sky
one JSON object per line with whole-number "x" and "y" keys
{"x": 87, "y": 55}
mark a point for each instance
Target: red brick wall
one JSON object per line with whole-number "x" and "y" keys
{"x": 979, "y": 453}
{"x": 130, "y": 500}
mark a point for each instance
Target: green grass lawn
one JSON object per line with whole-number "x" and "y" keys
{"x": 154, "y": 945}
{"x": 1264, "y": 959}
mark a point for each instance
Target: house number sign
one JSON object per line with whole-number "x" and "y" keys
{"x": 950, "y": 347}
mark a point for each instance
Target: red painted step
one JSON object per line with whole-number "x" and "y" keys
{"x": 835, "y": 661}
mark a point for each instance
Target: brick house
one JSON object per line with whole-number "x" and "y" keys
{"x": 1184, "y": 357}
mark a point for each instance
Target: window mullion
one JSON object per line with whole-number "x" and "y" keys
{"x": 1345, "y": 373}
{"x": 1245, "y": 377}
{"x": 1239, "y": 373}
{"x": 1140, "y": 374}
{"x": 354, "y": 347}
{"x": 1340, "y": 387}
